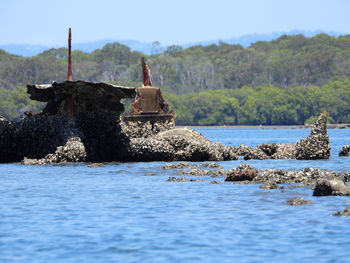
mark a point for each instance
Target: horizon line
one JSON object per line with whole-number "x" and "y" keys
{"x": 290, "y": 32}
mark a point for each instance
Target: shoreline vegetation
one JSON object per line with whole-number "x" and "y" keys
{"x": 287, "y": 81}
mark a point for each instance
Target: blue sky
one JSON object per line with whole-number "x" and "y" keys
{"x": 171, "y": 22}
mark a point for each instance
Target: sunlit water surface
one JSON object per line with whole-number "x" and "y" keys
{"x": 127, "y": 212}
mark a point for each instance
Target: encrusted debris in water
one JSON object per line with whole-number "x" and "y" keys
{"x": 174, "y": 179}
{"x": 215, "y": 182}
{"x": 199, "y": 172}
{"x": 95, "y": 165}
{"x": 344, "y": 151}
{"x": 211, "y": 165}
{"x": 270, "y": 185}
{"x": 346, "y": 212}
{"x": 178, "y": 165}
{"x": 298, "y": 201}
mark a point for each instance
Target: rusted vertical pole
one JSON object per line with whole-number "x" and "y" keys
{"x": 70, "y": 76}
{"x": 69, "y": 100}
{"x": 146, "y": 73}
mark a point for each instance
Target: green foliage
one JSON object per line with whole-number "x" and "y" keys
{"x": 285, "y": 81}
{"x": 13, "y": 103}
{"x": 264, "y": 104}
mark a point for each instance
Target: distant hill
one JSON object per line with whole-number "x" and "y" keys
{"x": 28, "y": 50}
{"x": 247, "y": 40}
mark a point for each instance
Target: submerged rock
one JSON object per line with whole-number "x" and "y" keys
{"x": 345, "y": 150}
{"x": 199, "y": 172}
{"x": 269, "y": 185}
{"x": 270, "y": 151}
{"x": 346, "y": 212}
{"x": 174, "y": 179}
{"x": 315, "y": 146}
{"x": 215, "y": 182}
{"x": 211, "y": 165}
{"x": 178, "y": 165}
{"x": 242, "y": 173}
{"x": 256, "y": 153}
{"x": 95, "y": 165}
{"x": 284, "y": 151}
{"x": 305, "y": 177}
{"x": 195, "y": 172}
{"x": 331, "y": 187}
{"x": 298, "y": 201}
{"x": 243, "y": 150}
{"x": 268, "y": 148}
{"x": 197, "y": 180}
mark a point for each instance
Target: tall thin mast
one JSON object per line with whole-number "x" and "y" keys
{"x": 70, "y": 75}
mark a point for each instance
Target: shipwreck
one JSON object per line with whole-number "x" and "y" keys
{"x": 73, "y": 97}
{"x": 85, "y": 121}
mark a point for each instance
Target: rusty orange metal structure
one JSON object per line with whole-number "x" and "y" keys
{"x": 149, "y": 100}
{"x": 70, "y": 75}
{"x": 69, "y": 100}
{"x": 146, "y": 74}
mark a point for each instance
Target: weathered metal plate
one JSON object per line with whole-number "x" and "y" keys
{"x": 148, "y": 99}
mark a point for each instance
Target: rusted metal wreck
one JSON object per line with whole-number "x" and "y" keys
{"x": 149, "y": 104}
{"x": 73, "y": 97}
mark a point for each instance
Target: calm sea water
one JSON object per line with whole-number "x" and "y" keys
{"x": 116, "y": 213}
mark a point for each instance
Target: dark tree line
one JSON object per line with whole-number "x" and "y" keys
{"x": 264, "y": 104}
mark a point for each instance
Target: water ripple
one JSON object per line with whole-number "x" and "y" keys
{"x": 114, "y": 213}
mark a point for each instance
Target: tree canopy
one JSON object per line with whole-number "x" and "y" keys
{"x": 285, "y": 81}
